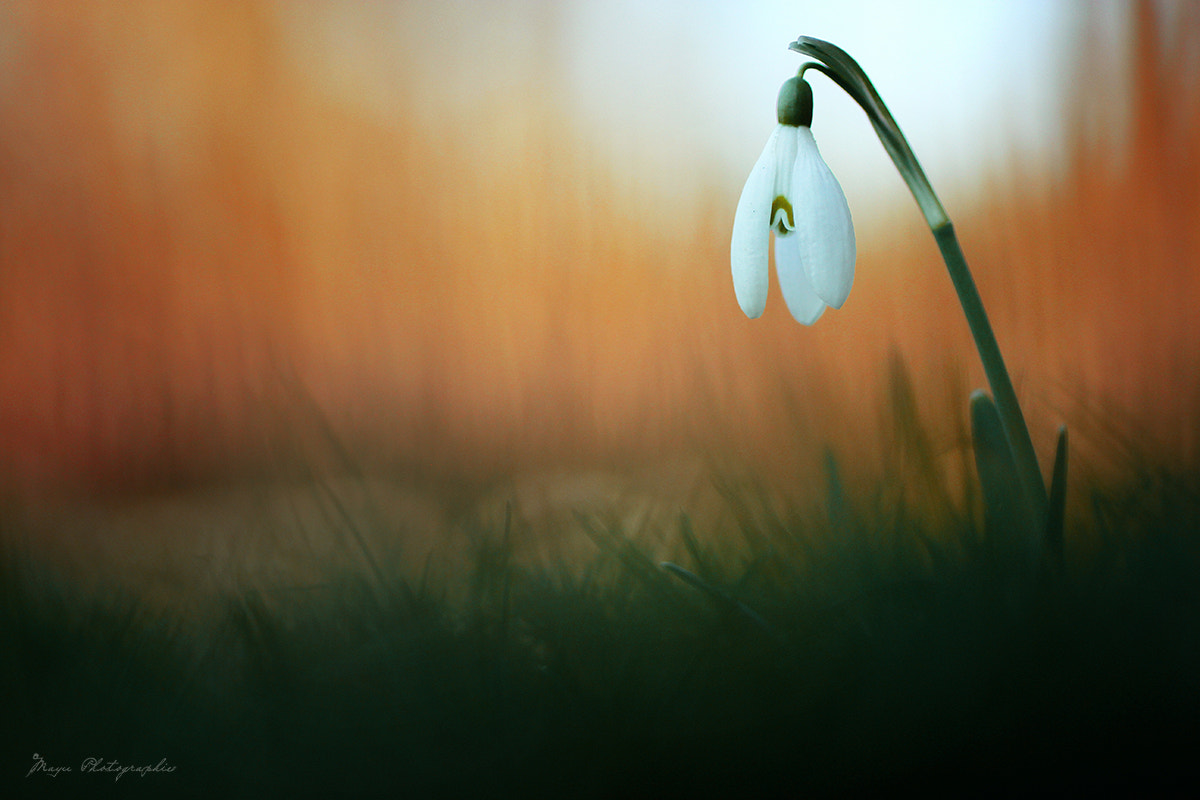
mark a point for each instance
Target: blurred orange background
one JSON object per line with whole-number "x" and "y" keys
{"x": 220, "y": 259}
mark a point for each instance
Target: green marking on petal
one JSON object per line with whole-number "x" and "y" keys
{"x": 783, "y": 218}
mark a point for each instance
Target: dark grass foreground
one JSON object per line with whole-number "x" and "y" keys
{"x": 857, "y": 648}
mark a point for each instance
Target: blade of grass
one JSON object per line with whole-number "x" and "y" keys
{"x": 723, "y": 599}
{"x": 1058, "y": 503}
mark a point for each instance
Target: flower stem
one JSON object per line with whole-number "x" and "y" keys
{"x": 846, "y": 73}
{"x": 1015, "y": 429}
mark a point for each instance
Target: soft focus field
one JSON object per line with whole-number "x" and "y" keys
{"x": 214, "y": 266}
{"x": 339, "y": 451}
{"x": 844, "y": 649}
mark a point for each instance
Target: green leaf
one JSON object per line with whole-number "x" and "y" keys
{"x": 1011, "y": 528}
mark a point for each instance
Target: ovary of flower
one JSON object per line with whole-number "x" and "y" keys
{"x": 792, "y": 192}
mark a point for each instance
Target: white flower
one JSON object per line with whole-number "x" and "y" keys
{"x": 793, "y": 192}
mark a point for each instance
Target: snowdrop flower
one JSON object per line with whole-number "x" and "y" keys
{"x": 792, "y": 192}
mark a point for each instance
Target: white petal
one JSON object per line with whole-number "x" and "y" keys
{"x": 823, "y": 224}
{"x": 752, "y": 233}
{"x": 798, "y": 293}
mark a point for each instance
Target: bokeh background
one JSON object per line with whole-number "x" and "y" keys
{"x": 461, "y": 241}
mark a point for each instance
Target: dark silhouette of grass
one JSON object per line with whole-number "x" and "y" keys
{"x": 872, "y": 642}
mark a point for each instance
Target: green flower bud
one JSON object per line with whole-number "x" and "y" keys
{"x": 795, "y": 103}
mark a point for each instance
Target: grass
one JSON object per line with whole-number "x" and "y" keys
{"x": 870, "y": 642}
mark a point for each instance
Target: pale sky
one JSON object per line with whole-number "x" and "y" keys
{"x": 673, "y": 93}
{"x": 966, "y": 80}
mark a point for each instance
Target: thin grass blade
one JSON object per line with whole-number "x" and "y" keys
{"x": 1058, "y": 503}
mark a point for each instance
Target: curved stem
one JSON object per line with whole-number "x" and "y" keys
{"x": 845, "y": 71}
{"x": 1003, "y": 394}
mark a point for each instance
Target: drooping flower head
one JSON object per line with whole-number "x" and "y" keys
{"x": 792, "y": 193}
